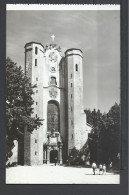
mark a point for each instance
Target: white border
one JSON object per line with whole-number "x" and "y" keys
{"x": 59, "y": 7}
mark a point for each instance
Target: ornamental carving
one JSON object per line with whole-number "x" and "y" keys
{"x": 53, "y": 92}
{"x": 52, "y": 67}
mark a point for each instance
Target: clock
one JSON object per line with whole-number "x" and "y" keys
{"x": 53, "y": 57}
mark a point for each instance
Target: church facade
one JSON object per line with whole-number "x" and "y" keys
{"x": 58, "y": 100}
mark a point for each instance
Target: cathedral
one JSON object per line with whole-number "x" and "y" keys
{"x": 58, "y": 100}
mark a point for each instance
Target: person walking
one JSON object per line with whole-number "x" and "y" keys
{"x": 110, "y": 167}
{"x": 100, "y": 169}
{"x": 94, "y": 167}
{"x": 104, "y": 169}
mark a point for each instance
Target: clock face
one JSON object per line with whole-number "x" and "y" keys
{"x": 52, "y": 62}
{"x": 53, "y": 57}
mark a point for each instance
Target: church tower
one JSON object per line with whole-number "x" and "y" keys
{"x": 42, "y": 66}
{"x": 74, "y": 97}
{"x": 58, "y": 100}
{"x": 34, "y": 69}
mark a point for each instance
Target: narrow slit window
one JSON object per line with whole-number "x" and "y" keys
{"x": 71, "y": 96}
{"x": 72, "y": 136}
{"x": 35, "y": 140}
{"x": 76, "y": 67}
{"x": 36, "y": 91}
{"x": 36, "y": 50}
{"x": 71, "y": 75}
{"x": 35, "y": 62}
{"x": 36, "y": 115}
{"x": 71, "y": 109}
{"x": 35, "y": 153}
{"x": 36, "y": 78}
{"x": 71, "y": 85}
{"x": 36, "y": 103}
{"x": 71, "y": 122}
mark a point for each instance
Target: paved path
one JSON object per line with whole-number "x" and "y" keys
{"x": 57, "y": 175}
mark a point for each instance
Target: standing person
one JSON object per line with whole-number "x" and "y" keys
{"x": 110, "y": 167}
{"x": 100, "y": 168}
{"x": 104, "y": 169}
{"x": 94, "y": 167}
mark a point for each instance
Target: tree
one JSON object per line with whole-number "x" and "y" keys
{"x": 114, "y": 130}
{"x": 109, "y": 137}
{"x": 93, "y": 118}
{"x": 104, "y": 140}
{"x": 19, "y": 104}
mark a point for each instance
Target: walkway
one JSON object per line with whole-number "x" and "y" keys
{"x": 57, "y": 175}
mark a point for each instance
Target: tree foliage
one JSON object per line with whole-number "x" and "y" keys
{"x": 104, "y": 140}
{"x": 19, "y": 104}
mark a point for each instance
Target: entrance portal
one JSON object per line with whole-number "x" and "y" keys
{"x": 53, "y": 156}
{"x": 52, "y": 149}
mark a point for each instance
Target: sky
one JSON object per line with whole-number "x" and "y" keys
{"x": 96, "y": 33}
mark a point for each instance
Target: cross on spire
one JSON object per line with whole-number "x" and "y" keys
{"x": 53, "y": 37}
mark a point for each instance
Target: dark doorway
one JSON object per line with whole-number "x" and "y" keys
{"x": 53, "y": 116}
{"x": 53, "y": 156}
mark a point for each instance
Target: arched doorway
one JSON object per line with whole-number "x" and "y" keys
{"x": 53, "y": 116}
{"x": 53, "y": 156}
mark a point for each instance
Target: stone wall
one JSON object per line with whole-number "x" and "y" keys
{"x": 33, "y": 147}
{"x": 41, "y": 74}
{"x": 77, "y": 133}
{"x": 69, "y": 97}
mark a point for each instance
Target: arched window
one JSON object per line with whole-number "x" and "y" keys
{"x": 76, "y": 67}
{"x": 53, "y": 115}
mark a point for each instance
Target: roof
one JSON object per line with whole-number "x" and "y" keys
{"x": 73, "y": 49}
{"x": 32, "y": 43}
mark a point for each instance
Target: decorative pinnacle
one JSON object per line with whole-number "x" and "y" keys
{"x": 53, "y": 37}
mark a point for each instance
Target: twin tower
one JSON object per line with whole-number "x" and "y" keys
{"x": 58, "y": 100}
